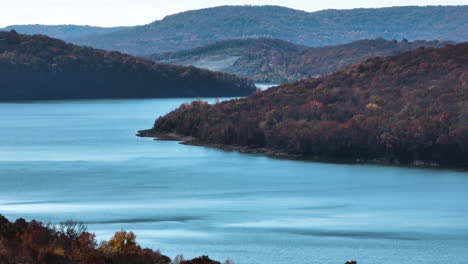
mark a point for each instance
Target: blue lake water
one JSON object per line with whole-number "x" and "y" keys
{"x": 81, "y": 160}
{"x": 264, "y": 86}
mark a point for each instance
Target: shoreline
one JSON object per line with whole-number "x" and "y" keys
{"x": 192, "y": 141}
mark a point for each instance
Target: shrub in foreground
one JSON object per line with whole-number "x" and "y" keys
{"x": 24, "y": 242}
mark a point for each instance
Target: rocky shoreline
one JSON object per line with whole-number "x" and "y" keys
{"x": 192, "y": 141}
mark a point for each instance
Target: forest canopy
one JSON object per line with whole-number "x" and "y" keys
{"x": 191, "y": 29}
{"x": 71, "y": 243}
{"x": 405, "y": 109}
{"x": 277, "y": 61}
{"x": 38, "y": 67}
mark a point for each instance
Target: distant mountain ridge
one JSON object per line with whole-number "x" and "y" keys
{"x": 42, "y": 68}
{"x": 196, "y": 28}
{"x": 64, "y": 32}
{"x": 244, "y": 57}
{"x": 411, "y": 108}
{"x": 277, "y": 61}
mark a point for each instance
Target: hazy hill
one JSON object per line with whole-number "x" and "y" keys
{"x": 404, "y": 108}
{"x": 38, "y": 67}
{"x": 65, "y": 32}
{"x": 277, "y": 61}
{"x": 329, "y": 27}
{"x": 246, "y": 57}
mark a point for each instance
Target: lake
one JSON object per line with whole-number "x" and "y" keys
{"x": 81, "y": 160}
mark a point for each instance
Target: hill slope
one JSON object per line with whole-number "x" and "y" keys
{"x": 38, "y": 67}
{"x": 64, "y": 32}
{"x": 404, "y": 108}
{"x": 246, "y": 57}
{"x": 329, "y": 27}
{"x": 277, "y": 61}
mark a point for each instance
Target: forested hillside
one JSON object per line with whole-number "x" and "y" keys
{"x": 407, "y": 108}
{"x": 196, "y": 28}
{"x": 38, "y": 67}
{"x": 277, "y": 61}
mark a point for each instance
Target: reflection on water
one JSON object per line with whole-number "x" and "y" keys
{"x": 80, "y": 160}
{"x": 264, "y": 86}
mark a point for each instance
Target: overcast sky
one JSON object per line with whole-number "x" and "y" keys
{"x": 137, "y": 12}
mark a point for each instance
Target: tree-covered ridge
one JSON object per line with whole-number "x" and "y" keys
{"x": 196, "y": 28}
{"x": 64, "y": 32}
{"x": 23, "y": 242}
{"x": 252, "y": 58}
{"x": 404, "y": 108}
{"x": 277, "y": 61}
{"x": 39, "y": 67}
{"x": 236, "y": 45}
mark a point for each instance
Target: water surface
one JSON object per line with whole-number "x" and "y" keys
{"x": 80, "y": 160}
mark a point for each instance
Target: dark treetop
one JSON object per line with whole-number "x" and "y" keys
{"x": 38, "y": 67}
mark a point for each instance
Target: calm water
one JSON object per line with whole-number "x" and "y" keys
{"x": 264, "y": 86}
{"x": 80, "y": 160}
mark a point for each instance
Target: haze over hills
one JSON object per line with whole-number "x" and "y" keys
{"x": 328, "y": 27}
{"x": 277, "y": 61}
{"x": 41, "y": 68}
{"x": 243, "y": 57}
{"x": 405, "y": 109}
{"x": 64, "y": 32}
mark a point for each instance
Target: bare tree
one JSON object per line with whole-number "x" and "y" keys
{"x": 229, "y": 261}
{"x": 178, "y": 259}
{"x": 72, "y": 229}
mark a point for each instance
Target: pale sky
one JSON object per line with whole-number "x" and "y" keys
{"x": 137, "y": 12}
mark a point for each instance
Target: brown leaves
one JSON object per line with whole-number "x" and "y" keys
{"x": 23, "y": 242}
{"x": 405, "y": 107}
{"x": 121, "y": 243}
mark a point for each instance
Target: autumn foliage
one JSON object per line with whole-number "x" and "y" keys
{"x": 409, "y": 108}
{"x": 32, "y": 242}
